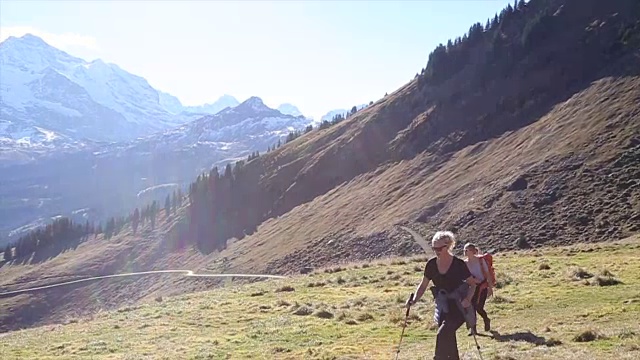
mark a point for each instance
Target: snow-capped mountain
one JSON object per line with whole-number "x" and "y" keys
{"x": 107, "y": 178}
{"x": 251, "y": 117}
{"x": 289, "y": 109}
{"x": 44, "y": 87}
{"x": 222, "y": 103}
{"x": 331, "y": 114}
{"x": 51, "y": 101}
{"x": 173, "y": 104}
{"x": 245, "y": 128}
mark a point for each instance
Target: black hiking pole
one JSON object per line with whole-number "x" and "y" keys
{"x": 477, "y": 345}
{"x": 406, "y": 317}
{"x": 473, "y": 331}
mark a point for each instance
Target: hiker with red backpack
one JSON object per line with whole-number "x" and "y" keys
{"x": 481, "y": 267}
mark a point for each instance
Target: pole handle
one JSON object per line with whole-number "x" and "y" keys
{"x": 405, "y": 324}
{"x": 409, "y": 303}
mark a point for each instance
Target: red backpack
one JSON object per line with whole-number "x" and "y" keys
{"x": 488, "y": 259}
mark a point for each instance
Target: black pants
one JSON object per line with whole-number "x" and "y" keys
{"x": 446, "y": 342}
{"x": 478, "y": 301}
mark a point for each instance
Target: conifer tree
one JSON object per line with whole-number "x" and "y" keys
{"x": 135, "y": 220}
{"x": 174, "y": 201}
{"x": 153, "y": 209}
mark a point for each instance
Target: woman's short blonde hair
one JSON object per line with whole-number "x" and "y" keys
{"x": 444, "y": 236}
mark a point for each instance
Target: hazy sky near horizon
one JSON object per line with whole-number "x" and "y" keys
{"x": 317, "y": 55}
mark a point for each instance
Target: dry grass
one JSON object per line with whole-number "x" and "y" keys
{"x": 547, "y": 317}
{"x": 97, "y": 256}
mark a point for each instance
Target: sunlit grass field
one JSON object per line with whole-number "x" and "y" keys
{"x": 580, "y": 302}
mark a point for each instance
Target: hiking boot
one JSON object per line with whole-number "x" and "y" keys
{"x": 487, "y": 324}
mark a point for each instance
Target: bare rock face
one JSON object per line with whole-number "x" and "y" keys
{"x": 520, "y": 183}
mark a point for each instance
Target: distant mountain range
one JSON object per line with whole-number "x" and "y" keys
{"x": 173, "y": 104}
{"x": 43, "y": 87}
{"x": 289, "y": 110}
{"x": 85, "y": 138}
{"x": 50, "y": 100}
{"x": 331, "y": 114}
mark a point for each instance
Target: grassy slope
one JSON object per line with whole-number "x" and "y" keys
{"x": 257, "y": 321}
{"x": 97, "y": 256}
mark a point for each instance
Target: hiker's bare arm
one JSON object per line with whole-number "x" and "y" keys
{"x": 421, "y": 288}
{"x": 472, "y": 289}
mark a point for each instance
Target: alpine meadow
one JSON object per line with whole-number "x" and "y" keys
{"x": 133, "y": 226}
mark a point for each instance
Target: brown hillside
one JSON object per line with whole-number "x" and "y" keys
{"x": 561, "y": 113}
{"x": 526, "y": 134}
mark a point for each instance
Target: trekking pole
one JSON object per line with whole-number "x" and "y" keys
{"x": 406, "y": 317}
{"x": 477, "y": 345}
{"x": 473, "y": 332}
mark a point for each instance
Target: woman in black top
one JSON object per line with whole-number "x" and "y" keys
{"x": 448, "y": 273}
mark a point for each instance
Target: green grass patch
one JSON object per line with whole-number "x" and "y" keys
{"x": 582, "y": 304}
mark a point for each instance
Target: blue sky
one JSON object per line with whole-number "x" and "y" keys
{"x": 317, "y": 55}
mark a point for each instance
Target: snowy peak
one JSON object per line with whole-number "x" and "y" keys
{"x": 289, "y": 109}
{"x": 251, "y": 119}
{"x": 254, "y": 104}
{"x": 331, "y": 114}
{"x": 48, "y": 88}
{"x": 48, "y": 97}
{"x": 171, "y": 103}
{"x": 254, "y": 101}
{"x": 225, "y": 101}
{"x": 30, "y": 45}
{"x": 27, "y": 39}
{"x": 31, "y": 53}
